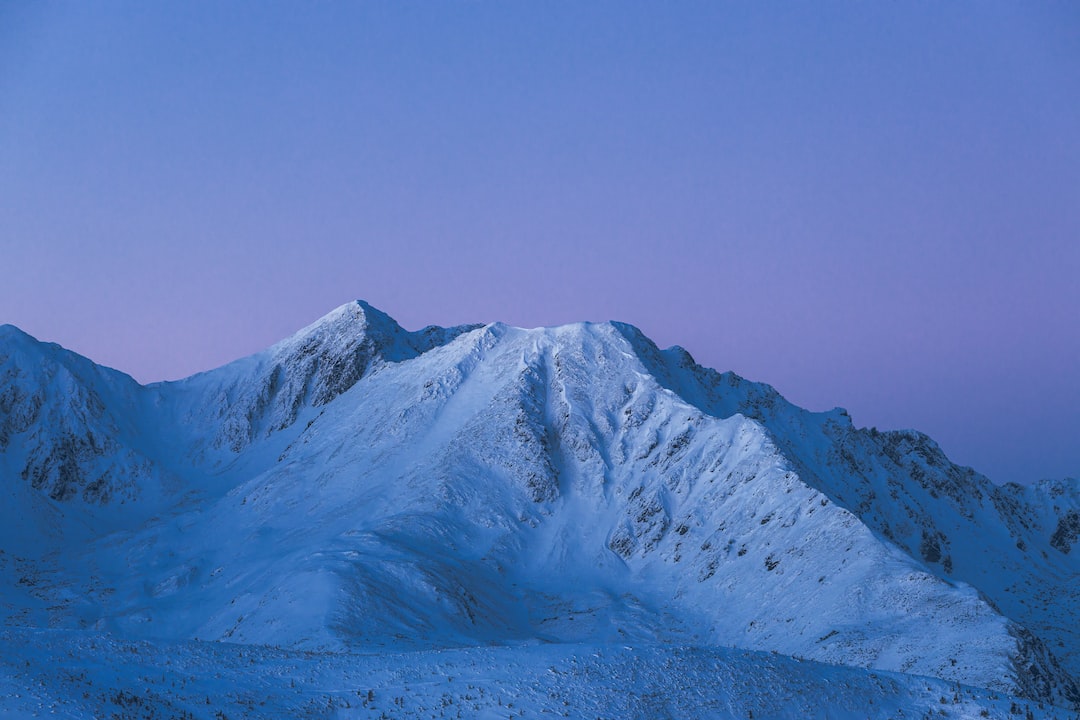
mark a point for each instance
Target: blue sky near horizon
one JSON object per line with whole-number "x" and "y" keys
{"x": 864, "y": 204}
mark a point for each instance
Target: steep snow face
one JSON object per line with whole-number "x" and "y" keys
{"x": 359, "y": 486}
{"x": 69, "y": 428}
{"x": 1011, "y": 543}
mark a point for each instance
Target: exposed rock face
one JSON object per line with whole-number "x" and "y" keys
{"x": 1066, "y": 532}
{"x": 67, "y": 441}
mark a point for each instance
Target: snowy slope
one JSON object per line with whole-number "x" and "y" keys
{"x": 77, "y": 676}
{"x": 1012, "y": 543}
{"x": 69, "y": 427}
{"x": 361, "y": 488}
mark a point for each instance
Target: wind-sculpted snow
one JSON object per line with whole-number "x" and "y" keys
{"x": 361, "y": 488}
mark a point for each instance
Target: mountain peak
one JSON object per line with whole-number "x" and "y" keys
{"x": 362, "y": 312}
{"x": 267, "y": 392}
{"x": 345, "y": 325}
{"x": 10, "y": 334}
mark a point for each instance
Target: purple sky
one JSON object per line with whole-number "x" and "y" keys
{"x": 873, "y": 205}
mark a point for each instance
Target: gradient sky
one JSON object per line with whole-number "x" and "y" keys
{"x": 872, "y": 205}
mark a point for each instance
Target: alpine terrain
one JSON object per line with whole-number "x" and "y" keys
{"x": 488, "y": 521}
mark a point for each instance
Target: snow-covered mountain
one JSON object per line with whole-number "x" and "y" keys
{"x": 361, "y": 488}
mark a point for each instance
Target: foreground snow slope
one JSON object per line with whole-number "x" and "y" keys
{"x": 76, "y": 676}
{"x": 359, "y": 487}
